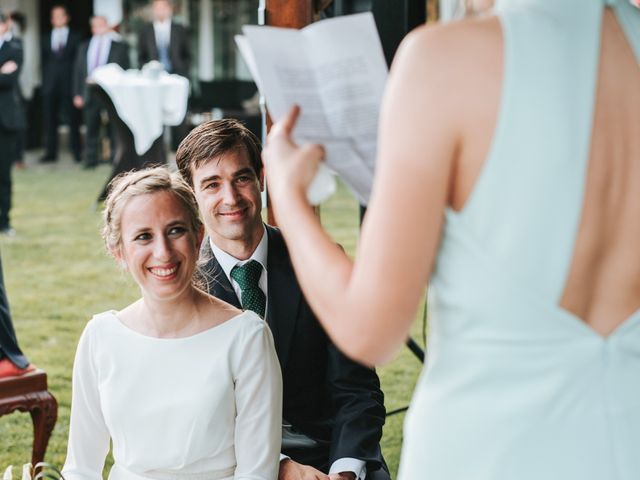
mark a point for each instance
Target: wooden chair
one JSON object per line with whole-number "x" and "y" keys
{"x": 28, "y": 393}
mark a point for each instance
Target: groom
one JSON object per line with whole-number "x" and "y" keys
{"x": 333, "y": 409}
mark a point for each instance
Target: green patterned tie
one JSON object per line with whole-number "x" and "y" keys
{"x": 248, "y": 277}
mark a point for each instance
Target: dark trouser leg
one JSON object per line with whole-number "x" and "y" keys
{"x": 125, "y": 157}
{"x": 50, "y": 104}
{"x": 74, "y": 117}
{"x": 7, "y": 157}
{"x": 92, "y": 121}
{"x": 21, "y": 138}
{"x": 8, "y": 342}
{"x": 113, "y": 141}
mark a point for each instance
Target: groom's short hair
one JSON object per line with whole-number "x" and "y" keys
{"x": 211, "y": 140}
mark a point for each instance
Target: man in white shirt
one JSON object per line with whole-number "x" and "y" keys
{"x": 168, "y": 42}
{"x": 165, "y": 41}
{"x": 105, "y": 46}
{"x": 59, "y": 48}
{"x": 333, "y": 409}
{"x": 11, "y": 117}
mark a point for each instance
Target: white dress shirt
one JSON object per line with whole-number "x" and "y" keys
{"x": 59, "y": 37}
{"x": 162, "y": 32}
{"x": 227, "y": 262}
{"x": 100, "y": 46}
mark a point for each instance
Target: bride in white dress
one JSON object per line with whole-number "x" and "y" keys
{"x": 184, "y": 385}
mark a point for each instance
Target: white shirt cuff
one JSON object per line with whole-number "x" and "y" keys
{"x": 348, "y": 464}
{"x": 283, "y": 457}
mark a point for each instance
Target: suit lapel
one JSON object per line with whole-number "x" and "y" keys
{"x": 283, "y": 294}
{"x": 217, "y": 282}
{"x": 152, "y": 41}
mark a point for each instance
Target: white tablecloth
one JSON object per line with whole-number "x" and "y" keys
{"x": 144, "y": 104}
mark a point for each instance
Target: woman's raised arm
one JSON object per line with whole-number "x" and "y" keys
{"x": 368, "y": 306}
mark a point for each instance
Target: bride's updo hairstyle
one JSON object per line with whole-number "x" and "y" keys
{"x": 142, "y": 182}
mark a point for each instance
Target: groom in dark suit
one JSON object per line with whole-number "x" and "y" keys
{"x": 333, "y": 409}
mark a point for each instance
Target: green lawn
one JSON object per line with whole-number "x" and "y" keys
{"x": 58, "y": 274}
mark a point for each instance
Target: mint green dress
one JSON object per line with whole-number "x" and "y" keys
{"x": 515, "y": 387}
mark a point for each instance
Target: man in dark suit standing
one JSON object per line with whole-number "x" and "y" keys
{"x": 105, "y": 46}
{"x": 167, "y": 42}
{"x": 11, "y": 117}
{"x": 334, "y": 406}
{"x": 59, "y": 49}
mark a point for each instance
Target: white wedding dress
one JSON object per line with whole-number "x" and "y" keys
{"x": 205, "y": 407}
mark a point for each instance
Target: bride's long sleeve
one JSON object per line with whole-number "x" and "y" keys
{"x": 258, "y": 396}
{"x": 88, "y": 435}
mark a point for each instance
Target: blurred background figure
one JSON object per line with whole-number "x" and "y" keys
{"x": 105, "y": 46}
{"x": 17, "y": 25}
{"x": 11, "y": 116}
{"x": 166, "y": 41}
{"x": 59, "y": 47}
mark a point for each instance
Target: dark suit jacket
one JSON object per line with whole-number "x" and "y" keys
{"x": 8, "y": 343}
{"x": 325, "y": 395}
{"x": 57, "y": 68}
{"x": 179, "y": 48}
{"x": 11, "y": 113}
{"x": 118, "y": 53}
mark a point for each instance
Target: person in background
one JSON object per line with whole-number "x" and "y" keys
{"x": 17, "y": 25}
{"x": 168, "y": 42}
{"x": 59, "y": 49}
{"x": 165, "y": 40}
{"x": 11, "y": 117}
{"x": 104, "y": 46}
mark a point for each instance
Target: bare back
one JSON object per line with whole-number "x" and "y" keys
{"x": 603, "y": 287}
{"x": 603, "y": 284}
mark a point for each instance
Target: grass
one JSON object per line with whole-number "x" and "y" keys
{"x": 58, "y": 275}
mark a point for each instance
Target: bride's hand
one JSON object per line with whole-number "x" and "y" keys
{"x": 289, "y": 168}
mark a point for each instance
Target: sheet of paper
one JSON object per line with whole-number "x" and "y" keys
{"x": 336, "y": 72}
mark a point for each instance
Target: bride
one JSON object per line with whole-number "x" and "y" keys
{"x": 183, "y": 384}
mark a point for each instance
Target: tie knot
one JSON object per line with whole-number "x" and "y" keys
{"x": 247, "y": 275}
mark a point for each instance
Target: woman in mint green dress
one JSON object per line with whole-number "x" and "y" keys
{"x": 508, "y": 178}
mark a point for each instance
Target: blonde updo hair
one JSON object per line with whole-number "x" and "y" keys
{"x": 142, "y": 182}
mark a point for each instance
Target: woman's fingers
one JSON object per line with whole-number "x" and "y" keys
{"x": 312, "y": 151}
{"x": 288, "y": 122}
{"x": 283, "y": 128}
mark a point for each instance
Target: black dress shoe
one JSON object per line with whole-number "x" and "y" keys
{"x": 48, "y": 159}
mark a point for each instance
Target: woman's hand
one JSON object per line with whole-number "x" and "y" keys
{"x": 78, "y": 101}
{"x": 8, "y": 67}
{"x": 289, "y": 168}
